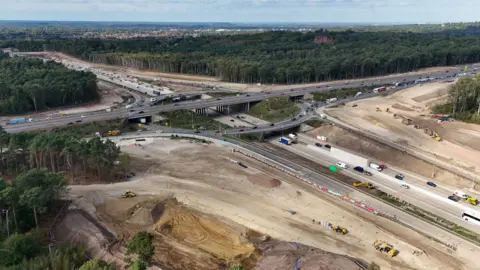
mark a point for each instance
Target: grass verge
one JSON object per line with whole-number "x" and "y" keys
{"x": 314, "y": 122}
{"x": 275, "y": 109}
{"x": 189, "y": 120}
{"x": 89, "y": 129}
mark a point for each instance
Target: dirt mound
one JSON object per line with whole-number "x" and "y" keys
{"x": 264, "y": 181}
{"x": 204, "y": 232}
{"x": 401, "y": 107}
{"x": 283, "y": 255}
{"x": 146, "y": 213}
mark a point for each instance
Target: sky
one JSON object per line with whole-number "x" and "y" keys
{"x": 326, "y": 11}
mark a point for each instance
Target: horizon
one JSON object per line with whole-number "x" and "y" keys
{"x": 244, "y": 11}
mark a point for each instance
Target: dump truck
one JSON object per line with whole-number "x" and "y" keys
{"x": 471, "y": 200}
{"x": 383, "y": 246}
{"x": 340, "y": 229}
{"x": 363, "y": 184}
{"x": 128, "y": 194}
{"x": 109, "y": 133}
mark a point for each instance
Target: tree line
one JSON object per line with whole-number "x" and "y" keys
{"x": 36, "y": 168}
{"x": 463, "y": 100}
{"x": 28, "y": 84}
{"x": 275, "y": 56}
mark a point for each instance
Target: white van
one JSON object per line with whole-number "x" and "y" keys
{"x": 461, "y": 194}
{"x": 342, "y": 165}
{"x": 375, "y": 167}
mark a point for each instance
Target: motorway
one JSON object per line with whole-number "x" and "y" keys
{"x": 433, "y": 200}
{"x": 198, "y": 104}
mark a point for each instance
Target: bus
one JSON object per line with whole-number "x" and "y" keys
{"x": 471, "y": 217}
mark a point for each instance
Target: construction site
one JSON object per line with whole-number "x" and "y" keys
{"x": 405, "y": 118}
{"x": 211, "y": 208}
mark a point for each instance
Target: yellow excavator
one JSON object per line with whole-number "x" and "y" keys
{"x": 383, "y": 246}
{"x": 363, "y": 184}
{"x": 128, "y": 194}
{"x": 340, "y": 229}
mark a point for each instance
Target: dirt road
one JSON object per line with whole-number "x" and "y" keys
{"x": 460, "y": 140}
{"x": 259, "y": 198}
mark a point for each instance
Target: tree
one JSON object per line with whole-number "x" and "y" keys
{"x": 97, "y": 264}
{"x": 17, "y": 247}
{"x": 141, "y": 244}
{"x": 124, "y": 163}
{"x": 236, "y": 267}
{"x": 373, "y": 266}
{"x": 139, "y": 265}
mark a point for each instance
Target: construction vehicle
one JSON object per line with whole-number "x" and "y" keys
{"x": 361, "y": 184}
{"x": 428, "y": 131}
{"x": 395, "y": 116}
{"x": 387, "y": 110}
{"x": 436, "y": 137}
{"x": 416, "y": 126}
{"x": 471, "y": 200}
{"x": 383, "y": 246}
{"x": 406, "y": 121}
{"x": 378, "y": 109}
{"x": 128, "y": 194}
{"x": 340, "y": 229}
{"x": 109, "y": 133}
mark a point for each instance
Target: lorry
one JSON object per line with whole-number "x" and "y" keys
{"x": 114, "y": 132}
{"x": 17, "y": 120}
{"x": 285, "y": 141}
{"x": 330, "y": 100}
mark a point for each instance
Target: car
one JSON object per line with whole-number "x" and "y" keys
{"x": 159, "y": 131}
{"x": 399, "y": 176}
{"x": 241, "y": 130}
{"x": 454, "y": 198}
{"x": 255, "y": 127}
{"x": 432, "y": 184}
{"x": 368, "y": 173}
{"x": 131, "y": 110}
{"x": 248, "y": 95}
{"x": 83, "y": 116}
{"x": 196, "y": 131}
{"x": 69, "y": 123}
{"x": 405, "y": 186}
{"x": 328, "y": 146}
{"x": 354, "y": 105}
{"x": 272, "y": 124}
{"x": 318, "y": 144}
{"x": 175, "y": 105}
{"x": 141, "y": 112}
{"x": 293, "y": 119}
{"x": 358, "y": 169}
{"x": 219, "y": 99}
{"x": 218, "y": 131}
{"x": 342, "y": 165}
{"x": 78, "y": 121}
{"x": 231, "y": 120}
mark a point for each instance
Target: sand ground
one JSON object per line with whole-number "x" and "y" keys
{"x": 460, "y": 140}
{"x": 179, "y": 82}
{"x": 259, "y": 198}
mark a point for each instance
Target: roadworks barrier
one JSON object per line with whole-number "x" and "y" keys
{"x": 358, "y": 204}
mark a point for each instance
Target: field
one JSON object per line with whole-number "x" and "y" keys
{"x": 207, "y": 212}
{"x": 460, "y": 140}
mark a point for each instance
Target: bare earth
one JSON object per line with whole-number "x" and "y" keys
{"x": 203, "y": 210}
{"x": 175, "y": 78}
{"x": 460, "y": 140}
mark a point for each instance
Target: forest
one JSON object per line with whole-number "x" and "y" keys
{"x": 28, "y": 84}
{"x": 36, "y": 168}
{"x": 275, "y": 56}
{"x": 463, "y": 101}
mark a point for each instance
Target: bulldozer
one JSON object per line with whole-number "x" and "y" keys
{"x": 361, "y": 184}
{"x": 471, "y": 200}
{"x": 436, "y": 137}
{"x": 428, "y": 131}
{"x": 406, "y": 121}
{"x": 340, "y": 229}
{"x": 383, "y": 246}
{"x": 128, "y": 194}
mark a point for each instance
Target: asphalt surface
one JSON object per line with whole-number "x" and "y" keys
{"x": 431, "y": 199}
